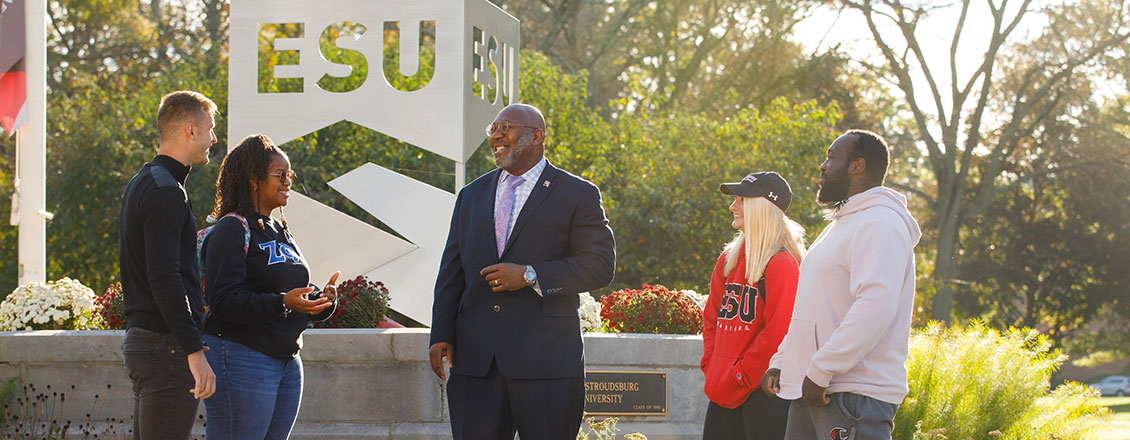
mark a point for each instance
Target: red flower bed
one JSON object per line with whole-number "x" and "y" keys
{"x": 653, "y": 309}
{"x": 110, "y": 307}
{"x": 361, "y": 304}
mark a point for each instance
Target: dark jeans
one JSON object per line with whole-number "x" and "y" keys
{"x": 163, "y": 405}
{"x": 760, "y": 418}
{"x": 257, "y": 396}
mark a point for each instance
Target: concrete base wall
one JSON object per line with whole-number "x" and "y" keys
{"x": 359, "y": 384}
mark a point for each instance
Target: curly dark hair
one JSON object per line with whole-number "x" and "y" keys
{"x": 249, "y": 160}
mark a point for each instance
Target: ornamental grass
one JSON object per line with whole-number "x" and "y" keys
{"x": 980, "y": 384}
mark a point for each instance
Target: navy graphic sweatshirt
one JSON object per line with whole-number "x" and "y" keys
{"x": 244, "y": 293}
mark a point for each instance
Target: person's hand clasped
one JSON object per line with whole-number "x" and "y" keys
{"x": 295, "y": 301}
{"x": 437, "y": 353}
{"x": 771, "y": 382}
{"x": 814, "y": 394}
{"x": 504, "y": 277}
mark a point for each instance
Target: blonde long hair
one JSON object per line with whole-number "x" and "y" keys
{"x": 766, "y": 230}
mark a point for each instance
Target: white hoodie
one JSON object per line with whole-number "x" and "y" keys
{"x": 851, "y": 323}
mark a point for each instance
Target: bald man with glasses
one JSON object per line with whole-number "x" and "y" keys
{"x": 525, "y": 240}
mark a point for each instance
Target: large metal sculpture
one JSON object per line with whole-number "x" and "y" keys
{"x": 475, "y": 75}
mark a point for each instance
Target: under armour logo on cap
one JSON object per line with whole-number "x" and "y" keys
{"x": 767, "y": 184}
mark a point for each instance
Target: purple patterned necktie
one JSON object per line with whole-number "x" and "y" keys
{"x": 504, "y": 210}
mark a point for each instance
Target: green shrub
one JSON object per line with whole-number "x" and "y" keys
{"x": 976, "y": 383}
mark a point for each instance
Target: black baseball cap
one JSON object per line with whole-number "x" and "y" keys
{"x": 767, "y": 184}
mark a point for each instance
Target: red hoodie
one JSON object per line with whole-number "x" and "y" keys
{"x": 738, "y": 338}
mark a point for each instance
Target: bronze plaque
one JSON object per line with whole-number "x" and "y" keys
{"x": 625, "y": 393}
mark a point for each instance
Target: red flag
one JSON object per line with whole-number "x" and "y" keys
{"x": 13, "y": 78}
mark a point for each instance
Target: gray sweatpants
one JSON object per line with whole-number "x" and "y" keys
{"x": 849, "y": 417}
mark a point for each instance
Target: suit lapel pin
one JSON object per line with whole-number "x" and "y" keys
{"x": 545, "y": 184}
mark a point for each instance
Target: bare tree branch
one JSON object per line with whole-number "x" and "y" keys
{"x": 684, "y": 75}
{"x": 953, "y": 52}
{"x": 931, "y": 201}
{"x": 908, "y": 28}
{"x": 562, "y": 12}
{"x": 907, "y": 86}
{"x": 610, "y": 36}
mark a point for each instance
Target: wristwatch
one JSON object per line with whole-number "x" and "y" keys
{"x": 530, "y": 276}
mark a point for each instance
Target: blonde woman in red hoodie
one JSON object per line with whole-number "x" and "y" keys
{"x": 749, "y": 309}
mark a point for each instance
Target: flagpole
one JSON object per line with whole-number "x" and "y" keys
{"x": 14, "y": 217}
{"x": 33, "y": 145}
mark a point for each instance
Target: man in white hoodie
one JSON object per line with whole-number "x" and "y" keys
{"x": 844, "y": 357}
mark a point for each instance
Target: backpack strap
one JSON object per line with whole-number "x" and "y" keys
{"x": 203, "y": 234}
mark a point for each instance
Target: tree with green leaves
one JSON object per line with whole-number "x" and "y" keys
{"x": 714, "y": 57}
{"x": 101, "y": 113}
{"x": 980, "y": 133}
{"x": 661, "y": 181}
{"x": 1050, "y": 251}
{"x": 107, "y": 70}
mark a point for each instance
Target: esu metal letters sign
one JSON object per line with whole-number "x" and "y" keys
{"x": 296, "y": 67}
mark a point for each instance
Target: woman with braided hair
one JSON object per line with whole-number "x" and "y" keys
{"x": 257, "y": 285}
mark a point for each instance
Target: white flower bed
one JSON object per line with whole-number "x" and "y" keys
{"x": 699, "y": 299}
{"x": 65, "y": 304}
{"x": 590, "y": 313}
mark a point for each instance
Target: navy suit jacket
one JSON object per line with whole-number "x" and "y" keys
{"x": 563, "y": 233}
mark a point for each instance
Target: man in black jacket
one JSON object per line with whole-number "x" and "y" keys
{"x": 164, "y": 302}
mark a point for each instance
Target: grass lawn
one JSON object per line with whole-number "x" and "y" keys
{"x": 1119, "y": 427}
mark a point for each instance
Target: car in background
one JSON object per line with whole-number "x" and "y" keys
{"x": 1113, "y": 386}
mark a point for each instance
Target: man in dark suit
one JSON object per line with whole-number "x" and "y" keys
{"x": 525, "y": 239}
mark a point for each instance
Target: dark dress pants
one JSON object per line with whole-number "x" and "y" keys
{"x": 493, "y": 407}
{"x": 163, "y": 405}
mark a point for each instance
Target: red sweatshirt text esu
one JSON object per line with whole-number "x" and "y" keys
{"x": 742, "y": 326}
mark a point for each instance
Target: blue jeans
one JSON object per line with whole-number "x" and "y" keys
{"x": 257, "y": 396}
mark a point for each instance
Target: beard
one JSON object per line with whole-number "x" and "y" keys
{"x": 834, "y": 189}
{"x": 516, "y": 149}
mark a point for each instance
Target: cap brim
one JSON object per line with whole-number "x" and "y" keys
{"x": 728, "y": 188}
